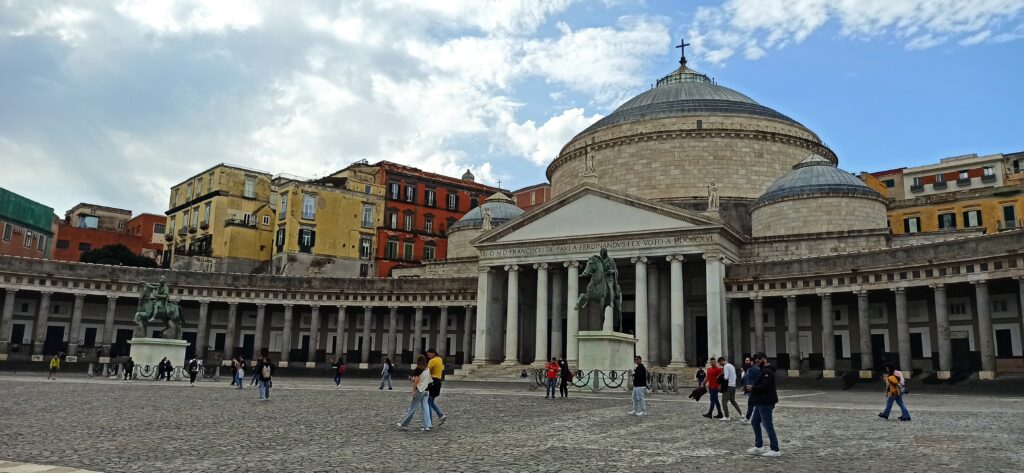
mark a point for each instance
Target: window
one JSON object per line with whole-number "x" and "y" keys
{"x": 391, "y": 249}
{"x": 972, "y": 218}
{"x": 408, "y": 222}
{"x": 393, "y": 219}
{"x": 473, "y": 202}
{"x": 988, "y": 171}
{"x": 407, "y": 251}
{"x": 918, "y": 182}
{"x": 309, "y": 206}
{"x": 940, "y": 179}
{"x": 199, "y": 186}
{"x": 281, "y": 212}
{"x": 184, "y": 219}
{"x": 364, "y": 270}
{"x": 947, "y": 221}
{"x": 280, "y": 239}
{"x": 889, "y": 184}
{"x": 195, "y": 217}
{"x": 266, "y": 220}
{"x": 365, "y": 247}
{"x": 28, "y": 239}
{"x": 453, "y": 201}
{"x": 88, "y": 221}
{"x": 431, "y": 198}
{"x": 41, "y": 243}
{"x": 912, "y": 225}
{"x": 962, "y": 174}
{"x": 206, "y": 212}
{"x": 188, "y": 191}
{"x": 1000, "y": 306}
{"x": 84, "y": 246}
{"x": 63, "y": 244}
{"x": 159, "y": 228}
{"x": 957, "y": 308}
{"x": 307, "y": 238}
{"x": 8, "y": 230}
{"x": 393, "y": 190}
{"x": 410, "y": 193}
{"x": 428, "y": 251}
{"x": 533, "y": 197}
{"x": 367, "y": 216}
{"x": 367, "y": 189}
{"x": 250, "y": 187}
{"x": 171, "y": 230}
{"x": 428, "y": 224}
{"x": 174, "y": 197}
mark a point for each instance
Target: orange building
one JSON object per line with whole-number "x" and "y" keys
{"x": 532, "y": 196}
{"x": 76, "y": 234}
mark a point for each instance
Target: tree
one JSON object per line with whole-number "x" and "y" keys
{"x": 117, "y": 255}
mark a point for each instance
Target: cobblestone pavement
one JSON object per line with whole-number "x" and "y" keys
{"x": 310, "y": 426}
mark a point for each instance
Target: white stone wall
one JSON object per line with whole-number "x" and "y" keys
{"x": 817, "y": 215}
{"x": 458, "y": 243}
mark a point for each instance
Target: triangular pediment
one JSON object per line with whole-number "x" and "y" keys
{"x": 588, "y": 211}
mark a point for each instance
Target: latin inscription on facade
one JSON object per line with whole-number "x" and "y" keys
{"x": 592, "y": 247}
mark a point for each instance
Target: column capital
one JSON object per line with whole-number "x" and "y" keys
{"x": 342, "y": 307}
{"x": 10, "y": 290}
{"x": 757, "y": 298}
{"x": 980, "y": 282}
{"x": 512, "y": 267}
{"x": 680, "y": 258}
{"x": 79, "y": 297}
{"x": 232, "y": 304}
{"x": 315, "y": 307}
{"x": 261, "y": 305}
{"x": 709, "y": 257}
{"x": 571, "y": 264}
{"x": 790, "y": 297}
{"x": 204, "y": 304}
{"x": 541, "y": 266}
{"x": 638, "y": 260}
{"x": 470, "y": 307}
{"x": 826, "y": 295}
{"x": 484, "y": 269}
{"x": 861, "y": 293}
{"x": 899, "y": 290}
{"x": 112, "y": 298}
{"x": 368, "y": 308}
{"x": 288, "y": 306}
{"x": 46, "y": 293}
{"x": 393, "y": 308}
{"x": 938, "y": 286}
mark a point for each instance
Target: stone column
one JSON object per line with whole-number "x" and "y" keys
{"x": 828, "y": 336}
{"x": 664, "y": 316}
{"x": 467, "y": 336}
{"x": 442, "y": 333}
{"x": 202, "y": 334}
{"x": 677, "y": 303}
{"x": 232, "y": 335}
{"x": 484, "y": 339}
{"x": 1020, "y": 304}
{"x": 314, "y": 336}
{"x": 736, "y": 328}
{"x": 286, "y": 336}
{"x": 339, "y": 333}
{"x": 643, "y": 337}
{"x": 557, "y": 315}
{"x": 867, "y": 362}
{"x": 75, "y": 337}
{"x": 714, "y": 281}
{"x": 392, "y": 332}
{"x": 903, "y": 332}
{"x": 653, "y": 315}
{"x": 261, "y": 318}
{"x": 42, "y": 319}
{"x": 5, "y": 322}
{"x": 107, "y": 337}
{"x": 417, "y": 334}
{"x": 364, "y": 355}
{"x": 540, "y": 352}
{"x": 792, "y": 336}
{"x": 572, "y": 322}
{"x": 985, "y": 342}
{"x": 758, "y": 325}
{"x": 512, "y": 317}
{"x": 942, "y": 332}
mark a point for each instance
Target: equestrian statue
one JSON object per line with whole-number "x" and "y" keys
{"x": 155, "y": 306}
{"x": 603, "y": 289}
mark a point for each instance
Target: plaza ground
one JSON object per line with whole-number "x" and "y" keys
{"x": 143, "y": 426}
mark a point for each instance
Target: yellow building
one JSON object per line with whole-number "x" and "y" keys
{"x": 326, "y": 227}
{"x": 221, "y": 220}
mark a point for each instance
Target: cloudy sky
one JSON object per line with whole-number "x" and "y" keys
{"x": 113, "y": 101}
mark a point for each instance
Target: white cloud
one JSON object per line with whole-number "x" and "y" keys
{"x": 755, "y": 26}
{"x": 541, "y": 144}
{"x": 191, "y": 16}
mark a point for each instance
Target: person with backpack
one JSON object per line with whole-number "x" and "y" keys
{"x": 339, "y": 369}
{"x": 385, "y": 373}
{"x": 764, "y": 397}
{"x": 421, "y": 381}
{"x": 550, "y": 377}
{"x": 127, "y": 369}
{"x": 266, "y": 370}
{"x": 893, "y": 393}
{"x": 193, "y": 371}
{"x": 715, "y": 378}
{"x": 566, "y": 374}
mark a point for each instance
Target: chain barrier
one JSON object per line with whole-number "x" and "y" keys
{"x": 598, "y": 380}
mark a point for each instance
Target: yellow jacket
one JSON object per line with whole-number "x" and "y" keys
{"x": 54, "y": 363}
{"x": 892, "y": 386}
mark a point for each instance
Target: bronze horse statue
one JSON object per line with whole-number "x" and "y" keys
{"x": 154, "y": 306}
{"x": 602, "y": 291}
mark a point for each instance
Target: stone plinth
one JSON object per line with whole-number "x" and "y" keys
{"x": 149, "y": 351}
{"x": 605, "y": 350}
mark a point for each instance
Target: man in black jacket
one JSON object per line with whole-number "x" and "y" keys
{"x": 764, "y": 397}
{"x": 639, "y": 388}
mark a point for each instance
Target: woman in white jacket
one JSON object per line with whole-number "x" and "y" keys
{"x": 420, "y": 380}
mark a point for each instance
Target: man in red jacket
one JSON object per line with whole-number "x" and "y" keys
{"x": 714, "y": 371}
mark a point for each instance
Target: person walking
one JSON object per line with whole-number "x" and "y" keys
{"x": 639, "y": 388}
{"x": 750, "y": 375}
{"x": 436, "y": 367}
{"x": 128, "y": 368}
{"x": 54, "y": 366}
{"x": 239, "y": 372}
{"x": 193, "y": 371}
{"x": 266, "y": 370}
{"x": 421, "y": 381}
{"x": 714, "y": 384}
{"x": 385, "y": 373}
{"x": 764, "y": 397}
{"x": 550, "y": 377}
{"x": 893, "y": 393}
{"x": 700, "y": 376}
{"x": 255, "y": 372}
{"x": 566, "y": 374}
{"x": 339, "y": 369}
{"x": 729, "y": 389}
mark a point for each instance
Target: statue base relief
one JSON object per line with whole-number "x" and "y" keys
{"x": 149, "y": 351}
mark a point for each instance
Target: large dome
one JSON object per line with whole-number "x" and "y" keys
{"x": 816, "y": 176}
{"x": 686, "y": 92}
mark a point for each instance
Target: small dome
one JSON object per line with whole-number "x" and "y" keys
{"x": 501, "y": 207}
{"x": 816, "y": 176}
{"x": 468, "y": 176}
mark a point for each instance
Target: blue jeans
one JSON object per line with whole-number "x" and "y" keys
{"x": 639, "y": 399}
{"x": 714, "y": 401}
{"x": 238, "y": 380}
{"x": 264, "y": 388}
{"x": 337, "y": 378}
{"x": 904, "y": 414}
{"x": 419, "y": 402}
{"x": 763, "y": 417}
{"x": 433, "y": 407}
{"x": 550, "y": 388}
{"x": 750, "y": 409}
{"x": 385, "y": 378}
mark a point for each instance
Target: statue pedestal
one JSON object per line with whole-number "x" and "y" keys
{"x": 149, "y": 351}
{"x": 605, "y": 350}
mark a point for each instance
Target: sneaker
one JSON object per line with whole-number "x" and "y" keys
{"x": 756, "y": 450}
{"x": 643, "y": 413}
{"x": 905, "y": 419}
{"x": 724, "y": 418}
{"x": 440, "y": 420}
{"x": 719, "y": 416}
{"x": 631, "y": 413}
{"x": 708, "y": 415}
{"x": 425, "y": 429}
{"x": 883, "y": 415}
{"x": 400, "y": 426}
{"x": 772, "y": 453}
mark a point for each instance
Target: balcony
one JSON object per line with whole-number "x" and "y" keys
{"x": 988, "y": 178}
{"x": 204, "y": 225}
{"x": 193, "y": 229}
{"x": 939, "y": 185}
{"x": 1005, "y": 225}
{"x": 183, "y": 231}
{"x": 168, "y": 237}
{"x": 917, "y": 188}
{"x": 963, "y": 182}
{"x": 240, "y": 222}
